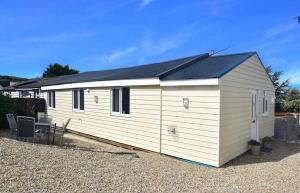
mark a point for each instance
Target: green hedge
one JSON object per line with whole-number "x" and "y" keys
{"x": 19, "y": 107}
{"x": 7, "y": 105}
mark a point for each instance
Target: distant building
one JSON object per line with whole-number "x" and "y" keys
{"x": 25, "y": 89}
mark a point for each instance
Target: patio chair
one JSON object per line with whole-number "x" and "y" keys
{"x": 26, "y": 128}
{"x": 59, "y": 132}
{"x": 13, "y": 127}
{"x": 44, "y": 118}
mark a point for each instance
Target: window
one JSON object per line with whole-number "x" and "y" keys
{"x": 24, "y": 94}
{"x": 78, "y": 100}
{"x": 265, "y": 104}
{"x": 51, "y": 99}
{"x": 120, "y": 101}
{"x": 36, "y": 94}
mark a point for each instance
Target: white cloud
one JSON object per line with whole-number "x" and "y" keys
{"x": 56, "y": 37}
{"x": 148, "y": 46}
{"x": 277, "y": 30}
{"x": 151, "y": 46}
{"x": 275, "y": 61}
{"x": 144, "y": 3}
{"x": 119, "y": 54}
{"x": 106, "y": 60}
{"x": 293, "y": 76}
{"x": 155, "y": 47}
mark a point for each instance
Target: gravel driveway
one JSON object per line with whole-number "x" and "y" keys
{"x": 26, "y": 167}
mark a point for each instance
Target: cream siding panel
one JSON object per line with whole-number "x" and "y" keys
{"x": 197, "y": 127}
{"x": 141, "y": 128}
{"x": 235, "y": 107}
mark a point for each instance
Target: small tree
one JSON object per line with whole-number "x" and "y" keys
{"x": 281, "y": 87}
{"x": 58, "y": 70}
{"x": 292, "y": 101}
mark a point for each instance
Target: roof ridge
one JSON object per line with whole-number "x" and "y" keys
{"x": 139, "y": 65}
{"x": 242, "y": 53}
{"x": 183, "y": 65}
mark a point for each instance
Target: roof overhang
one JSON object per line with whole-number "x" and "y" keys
{"x": 134, "y": 82}
{"x": 110, "y": 83}
{"x": 26, "y": 89}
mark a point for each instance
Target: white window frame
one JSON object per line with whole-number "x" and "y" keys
{"x": 52, "y": 104}
{"x": 119, "y": 113}
{"x": 78, "y": 98}
{"x": 265, "y": 111}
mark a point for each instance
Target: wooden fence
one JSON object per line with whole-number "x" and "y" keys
{"x": 282, "y": 114}
{"x": 287, "y": 128}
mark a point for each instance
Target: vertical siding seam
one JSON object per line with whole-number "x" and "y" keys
{"x": 160, "y": 122}
{"x": 219, "y": 140}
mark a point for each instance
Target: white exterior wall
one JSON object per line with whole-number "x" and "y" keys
{"x": 197, "y": 127}
{"x": 140, "y": 129}
{"x": 235, "y": 93}
{"x": 17, "y": 94}
{"x": 214, "y": 129}
{"x": 12, "y": 94}
{"x": 196, "y": 134}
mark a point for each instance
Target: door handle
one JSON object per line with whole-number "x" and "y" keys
{"x": 253, "y": 121}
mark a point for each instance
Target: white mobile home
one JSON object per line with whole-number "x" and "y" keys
{"x": 202, "y": 108}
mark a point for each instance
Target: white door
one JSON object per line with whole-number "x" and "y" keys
{"x": 254, "y": 123}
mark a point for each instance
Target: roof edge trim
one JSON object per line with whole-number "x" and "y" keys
{"x": 134, "y": 82}
{"x": 111, "y": 83}
{"x": 195, "y": 82}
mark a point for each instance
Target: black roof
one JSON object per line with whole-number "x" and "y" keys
{"x": 32, "y": 85}
{"x": 194, "y": 67}
{"x": 23, "y": 85}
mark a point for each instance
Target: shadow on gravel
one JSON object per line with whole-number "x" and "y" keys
{"x": 4, "y": 133}
{"x": 100, "y": 151}
{"x": 70, "y": 144}
{"x": 280, "y": 150}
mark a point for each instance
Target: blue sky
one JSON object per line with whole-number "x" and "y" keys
{"x": 95, "y": 34}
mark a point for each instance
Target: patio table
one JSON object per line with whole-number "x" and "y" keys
{"x": 44, "y": 131}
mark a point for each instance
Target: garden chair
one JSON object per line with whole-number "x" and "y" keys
{"x": 44, "y": 118}
{"x": 26, "y": 128}
{"x": 13, "y": 127}
{"x": 59, "y": 132}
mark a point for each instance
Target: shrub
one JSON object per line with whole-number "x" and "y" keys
{"x": 292, "y": 106}
{"x": 7, "y": 105}
{"x": 253, "y": 142}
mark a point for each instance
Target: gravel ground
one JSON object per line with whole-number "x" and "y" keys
{"x": 26, "y": 167}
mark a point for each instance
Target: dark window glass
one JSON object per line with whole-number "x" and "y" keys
{"x": 49, "y": 99}
{"x": 53, "y": 98}
{"x": 75, "y": 99}
{"x": 115, "y": 96}
{"x": 264, "y": 106}
{"x": 81, "y": 99}
{"x": 125, "y": 100}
